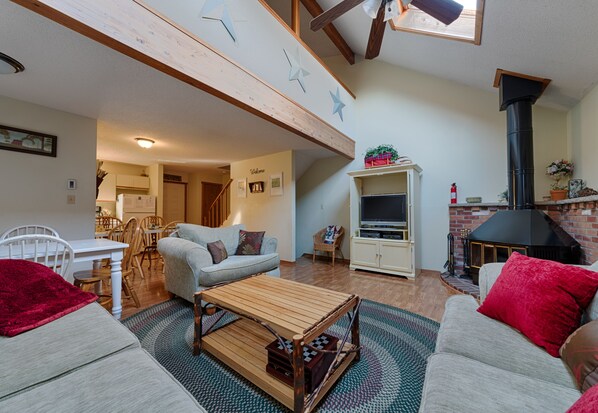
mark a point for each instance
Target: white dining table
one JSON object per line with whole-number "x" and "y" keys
{"x": 96, "y": 250}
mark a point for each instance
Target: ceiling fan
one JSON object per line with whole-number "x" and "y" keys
{"x": 446, "y": 11}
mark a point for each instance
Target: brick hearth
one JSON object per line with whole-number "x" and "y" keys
{"x": 576, "y": 216}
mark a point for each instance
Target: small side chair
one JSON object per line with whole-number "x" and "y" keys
{"x": 331, "y": 246}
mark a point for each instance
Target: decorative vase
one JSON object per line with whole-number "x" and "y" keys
{"x": 558, "y": 194}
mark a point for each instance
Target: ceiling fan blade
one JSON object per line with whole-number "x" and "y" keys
{"x": 332, "y": 13}
{"x": 447, "y": 11}
{"x": 376, "y": 34}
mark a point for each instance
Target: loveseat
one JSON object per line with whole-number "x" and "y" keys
{"x": 189, "y": 267}
{"x": 483, "y": 365}
{"x": 88, "y": 362}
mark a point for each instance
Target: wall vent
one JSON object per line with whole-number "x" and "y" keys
{"x": 173, "y": 178}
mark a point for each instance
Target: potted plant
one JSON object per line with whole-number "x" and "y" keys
{"x": 381, "y": 155}
{"x": 558, "y": 170}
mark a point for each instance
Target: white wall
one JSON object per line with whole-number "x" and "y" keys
{"x": 156, "y": 175}
{"x": 262, "y": 212}
{"x": 455, "y": 133}
{"x": 33, "y": 187}
{"x": 583, "y": 132}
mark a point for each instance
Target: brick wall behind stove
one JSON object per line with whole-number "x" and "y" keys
{"x": 579, "y": 219}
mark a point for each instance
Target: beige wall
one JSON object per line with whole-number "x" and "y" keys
{"x": 33, "y": 187}
{"x": 262, "y": 212}
{"x": 455, "y": 133}
{"x": 583, "y": 133}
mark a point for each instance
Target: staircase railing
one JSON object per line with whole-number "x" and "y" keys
{"x": 219, "y": 211}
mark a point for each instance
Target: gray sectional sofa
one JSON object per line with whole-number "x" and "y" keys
{"x": 188, "y": 266}
{"x": 483, "y": 365}
{"x": 88, "y": 362}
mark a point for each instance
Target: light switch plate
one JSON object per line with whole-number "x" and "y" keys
{"x": 70, "y": 199}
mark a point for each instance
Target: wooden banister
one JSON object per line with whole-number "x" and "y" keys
{"x": 220, "y": 208}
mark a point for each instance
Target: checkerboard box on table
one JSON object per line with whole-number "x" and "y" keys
{"x": 316, "y": 363}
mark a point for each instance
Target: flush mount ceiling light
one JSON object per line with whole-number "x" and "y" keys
{"x": 8, "y": 65}
{"x": 144, "y": 142}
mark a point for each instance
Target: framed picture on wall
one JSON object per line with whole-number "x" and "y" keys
{"x": 276, "y": 188}
{"x": 242, "y": 188}
{"x": 21, "y": 140}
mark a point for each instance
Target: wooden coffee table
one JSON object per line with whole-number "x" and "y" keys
{"x": 271, "y": 308}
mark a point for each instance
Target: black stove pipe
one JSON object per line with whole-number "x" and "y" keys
{"x": 521, "y": 155}
{"x": 517, "y": 95}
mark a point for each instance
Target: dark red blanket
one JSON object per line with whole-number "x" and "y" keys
{"x": 32, "y": 295}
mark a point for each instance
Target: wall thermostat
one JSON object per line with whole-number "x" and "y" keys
{"x": 71, "y": 184}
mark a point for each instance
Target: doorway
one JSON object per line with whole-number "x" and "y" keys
{"x": 175, "y": 201}
{"x": 209, "y": 193}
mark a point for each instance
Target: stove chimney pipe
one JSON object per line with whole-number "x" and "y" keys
{"x": 517, "y": 95}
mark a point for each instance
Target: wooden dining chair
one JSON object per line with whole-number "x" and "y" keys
{"x": 152, "y": 228}
{"x": 107, "y": 223}
{"x": 89, "y": 279}
{"x": 53, "y": 252}
{"x": 29, "y": 230}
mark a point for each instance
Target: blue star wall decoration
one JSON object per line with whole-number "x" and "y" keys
{"x": 218, "y": 10}
{"x": 338, "y": 103}
{"x": 297, "y": 72}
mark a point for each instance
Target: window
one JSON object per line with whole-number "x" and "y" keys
{"x": 467, "y": 28}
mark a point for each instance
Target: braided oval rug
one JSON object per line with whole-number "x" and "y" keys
{"x": 388, "y": 378}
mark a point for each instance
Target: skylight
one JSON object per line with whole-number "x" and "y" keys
{"x": 467, "y": 28}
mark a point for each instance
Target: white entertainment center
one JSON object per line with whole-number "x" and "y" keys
{"x": 388, "y": 247}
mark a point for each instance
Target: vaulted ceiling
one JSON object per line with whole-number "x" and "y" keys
{"x": 543, "y": 38}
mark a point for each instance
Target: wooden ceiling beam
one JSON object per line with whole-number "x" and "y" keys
{"x": 333, "y": 34}
{"x": 296, "y": 17}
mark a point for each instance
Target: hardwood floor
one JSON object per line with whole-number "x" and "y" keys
{"x": 426, "y": 295}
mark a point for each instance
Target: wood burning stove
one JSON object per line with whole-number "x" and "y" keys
{"x": 522, "y": 228}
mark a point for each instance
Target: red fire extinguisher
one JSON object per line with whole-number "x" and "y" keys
{"x": 454, "y": 193}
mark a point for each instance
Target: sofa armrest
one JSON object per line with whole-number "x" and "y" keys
{"x": 269, "y": 245}
{"x": 183, "y": 261}
{"x": 488, "y": 275}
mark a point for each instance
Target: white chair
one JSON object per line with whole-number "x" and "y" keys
{"x": 53, "y": 252}
{"x": 29, "y": 230}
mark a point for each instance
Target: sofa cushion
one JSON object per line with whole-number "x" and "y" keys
{"x": 466, "y": 332}
{"x": 250, "y": 243}
{"x": 587, "y": 403}
{"x": 543, "y": 299}
{"x": 203, "y": 235}
{"x": 74, "y": 340}
{"x": 237, "y": 266}
{"x": 458, "y": 384}
{"x": 580, "y": 354}
{"x": 217, "y": 251}
{"x": 130, "y": 381}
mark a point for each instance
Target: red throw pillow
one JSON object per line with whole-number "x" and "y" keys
{"x": 587, "y": 403}
{"x": 542, "y": 299}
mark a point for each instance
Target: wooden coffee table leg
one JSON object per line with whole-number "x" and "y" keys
{"x": 355, "y": 332}
{"x": 298, "y": 374}
{"x": 198, "y": 325}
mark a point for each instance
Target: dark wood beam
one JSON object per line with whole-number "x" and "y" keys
{"x": 296, "y": 17}
{"x": 315, "y": 10}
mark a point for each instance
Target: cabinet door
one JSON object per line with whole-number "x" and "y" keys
{"x": 395, "y": 256}
{"x": 124, "y": 181}
{"x": 364, "y": 252}
{"x": 141, "y": 182}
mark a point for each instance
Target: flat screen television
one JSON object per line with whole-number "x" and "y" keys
{"x": 389, "y": 209}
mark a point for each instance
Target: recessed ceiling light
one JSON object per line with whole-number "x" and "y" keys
{"x": 144, "y": 142}
{"x": 8, "y": 65}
